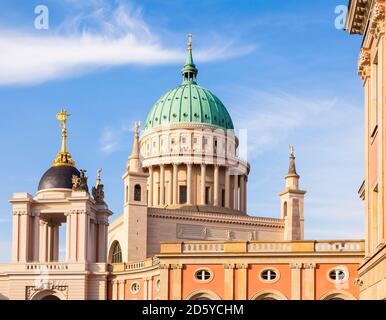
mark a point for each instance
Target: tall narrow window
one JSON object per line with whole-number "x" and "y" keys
{"x": 207, "y": 195}
{"x": 137, "y": 192}
{"x": 117, "y": 253}
{"x": 183, "y": 194}
{"x": 285, "y": 210}
{"x": 375, "y": 232}
{"x": 375, "y": 96}
{"x": 223, "y": 198}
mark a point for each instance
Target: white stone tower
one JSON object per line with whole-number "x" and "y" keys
{"x": 292, "y": 203}
{"x": 135, "y": 205}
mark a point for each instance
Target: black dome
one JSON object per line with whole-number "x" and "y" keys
{"x": 58, "y": 177}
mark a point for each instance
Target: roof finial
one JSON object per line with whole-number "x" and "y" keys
{"x": 98, "y": 179}
{"x": 190, "y": 71}
{"x": 63, "y": 158}
{"x": 291, "y": 148}
{"x": 135, "y": 151}
{"x": 292, "y": 166}
{"x": 190, "y": 43}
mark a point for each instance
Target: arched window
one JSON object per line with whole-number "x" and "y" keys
{"x": 137, "y": 192}
{"x": 285, "y": 209}
{"x": 117, "y": 253}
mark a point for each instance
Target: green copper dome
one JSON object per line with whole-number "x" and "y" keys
{"x": 189, "y": 103}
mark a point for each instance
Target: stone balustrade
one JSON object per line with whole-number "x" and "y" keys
{"x": 334, "y": 246}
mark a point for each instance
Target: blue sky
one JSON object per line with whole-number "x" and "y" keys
{"x": 283, "y": 70}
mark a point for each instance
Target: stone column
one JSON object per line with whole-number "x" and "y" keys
{"x": 177, "y": 282}
{"x": 175, "y": 183}
{"x": 36, "y": 236}
{"x": 227, "y": 188}
{"x": 122, "y": 289}
{"x": 102, "y": 238}
{"x": 296, "y": 281}
{"x": 229, "y": 281}
{"x": 236, "y": 192}
{"x": 50, "y": 242}
{"x": 202, "y": 183}
{"x": 150, "y": 288}
{"x": 15, "y": 237}
{"x": 164, "y": 277}
{"x": 43, "y": 241}
{"x": 83, "y": 235}
{"x": 162, "y": 185}
{"x": 189, "y": 183}
{"x": 216, "y": 186}
{"x": 114, "y": 289}
{"x": 151, "y": 187}
{"x": 242, "y": 282}
{"x": 170, "y": 193}
{"x": 246, "y": 193}
{"x": 74, "y": 236}
{"x": 309, "y": 281}
{"x": 68, "y": 236}
{"x": 24, "y": 236}
{"x": 145, "y": 289}
{"x": 242, "y": 193}
{"x": 55, "y": 242}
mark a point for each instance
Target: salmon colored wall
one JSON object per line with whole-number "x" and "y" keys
{"x": 255, "y": 285}
{"x": 189, "y": 284}
{"x": 323, "y": 285}
{"x": 129, "y": 295}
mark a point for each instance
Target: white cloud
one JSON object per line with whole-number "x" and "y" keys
{"x": 109, "y": 141}
{"x": 100, "y": 37}
{"x": 271, "y": 117}
{"x": 328, "y": 135}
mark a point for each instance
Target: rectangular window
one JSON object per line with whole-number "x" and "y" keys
{"x": 375, "y": 228}
{"x": 183, "y": 194}
{"x": 207, "y": 195}
{"x": 223, "y": 198}
{"x": 376, "y": 86}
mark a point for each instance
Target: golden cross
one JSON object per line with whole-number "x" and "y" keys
{"x": 62, "y": 117}
{"x": 190, "y": 36}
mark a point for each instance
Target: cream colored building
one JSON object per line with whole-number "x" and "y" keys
{"x": 185, "y": 181}
{"x": 185, "y": 231}
{"x": 367, "y": 18}
{"x": 36, "y": 272}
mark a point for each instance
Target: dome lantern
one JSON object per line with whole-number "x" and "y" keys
{"x": 189, "y": 71}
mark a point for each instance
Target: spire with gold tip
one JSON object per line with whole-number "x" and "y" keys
{"x": 63, "y": 158}
{"x": 190, "y": 71}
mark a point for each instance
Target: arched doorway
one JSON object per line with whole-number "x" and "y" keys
{"x": 269, "y": 295}
{"x": 337, "y": 295}
{"x": 50, "y": 297}
{"x": 203, "y": 295}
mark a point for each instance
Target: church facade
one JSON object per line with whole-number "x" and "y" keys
{"x": 185, "y": 232}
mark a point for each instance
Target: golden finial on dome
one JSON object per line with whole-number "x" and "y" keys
{"x": 190, "y": 43}
{"x": 63, "y": 158}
